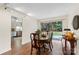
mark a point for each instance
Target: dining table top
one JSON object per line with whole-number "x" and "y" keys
{"x": 44, "y": 38}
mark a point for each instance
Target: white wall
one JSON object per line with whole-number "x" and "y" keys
{"x": 5, "y": 34}
{"x": 29, "y": 26}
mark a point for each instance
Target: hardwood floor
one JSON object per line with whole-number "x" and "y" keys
{"x": 26, "y": 50}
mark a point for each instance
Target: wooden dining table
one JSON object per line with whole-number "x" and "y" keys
{"x": 44, "y": 38}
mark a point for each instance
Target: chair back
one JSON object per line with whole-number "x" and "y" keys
{"x": 43, "y": 34}
{"x": 34, "y": 39}
{"x": 50, "y": 34}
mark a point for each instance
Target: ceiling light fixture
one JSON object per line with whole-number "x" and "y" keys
{"x": 30, "y": 14}
{"x": 18, "y": 9}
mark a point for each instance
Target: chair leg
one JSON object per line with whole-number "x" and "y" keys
{"x": 50, "y": 46}
{"x": 44, "y": 47}
{"x": 38, "y": 51}
{"x": 31, "y": 50}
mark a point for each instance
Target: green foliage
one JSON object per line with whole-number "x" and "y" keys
{"x": 38, "y": 31}
{"x": 55, "y": 26}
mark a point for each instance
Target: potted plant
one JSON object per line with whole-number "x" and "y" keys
{"x": 38, "y": 31}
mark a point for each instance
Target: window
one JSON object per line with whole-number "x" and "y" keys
{"x": 52, "y": 26}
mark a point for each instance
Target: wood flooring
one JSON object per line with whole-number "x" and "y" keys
{"x": 26, "y": 50}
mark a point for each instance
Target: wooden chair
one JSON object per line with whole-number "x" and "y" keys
{"x": 72, "y": 42}
{"x": 50, "y": 34}
{"x": 49, "y": 41}
{"x": 35, "y": 42}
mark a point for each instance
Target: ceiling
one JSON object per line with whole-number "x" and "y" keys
{"x": 44, "y": 10}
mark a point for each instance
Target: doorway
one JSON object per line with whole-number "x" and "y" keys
{"x": 16, "y": 32}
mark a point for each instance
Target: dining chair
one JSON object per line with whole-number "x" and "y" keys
{"x": 35, "y": 42}
{"x": 49, "y": 41}
{"x": 50, "y": 34}
{"x": 69, "y": 43}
